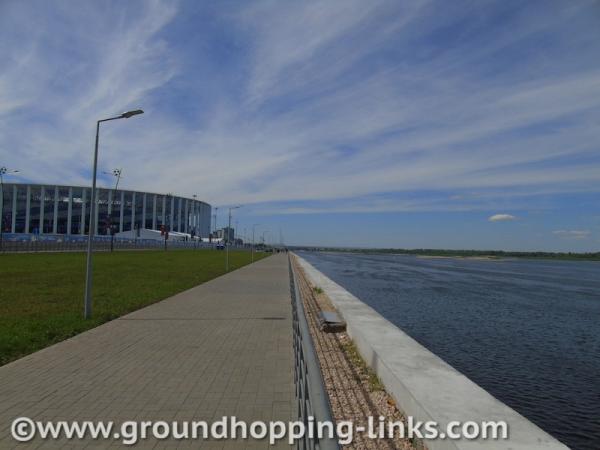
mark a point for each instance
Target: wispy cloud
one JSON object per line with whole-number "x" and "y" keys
{"x": 501, "y": 218}
{"x": 381, "y": 107}
{"x": 572, "y": 234}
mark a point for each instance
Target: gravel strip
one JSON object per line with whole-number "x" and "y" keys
{"x": 354, "y": 391}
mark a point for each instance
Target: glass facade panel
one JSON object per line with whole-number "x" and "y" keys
{"x": 176, "y": 214}
{"x": 159, "y": 211}
{"x": 21, "y": 209}
{"x": 192, "y": 218}
{"x": 7, "y": 204}
{"x": 48, "y": 219}
{"x": 149, "y": 206}
{"x": 169, "y": 213}
{"x": 127, "y": 212}
{"x": 115, "y": 214}
{"x": 88, "y": 204}
{"x": 103, "y": 217}
{"x": 34, "y": 209}
{"x": 184, "y": 220}
{"x": 63, "y": 210}
{"x": 139, "y": 210}
{"x": 76, "y": 211}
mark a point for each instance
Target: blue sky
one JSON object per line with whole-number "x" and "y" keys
{"x": 463, "y": 124}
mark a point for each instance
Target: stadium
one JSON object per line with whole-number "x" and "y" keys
{"x": 30, "y": 211}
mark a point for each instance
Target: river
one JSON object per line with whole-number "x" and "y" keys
{"x": 527, "y": 331}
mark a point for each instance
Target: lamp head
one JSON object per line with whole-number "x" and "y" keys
{"x": 128, "y": 114}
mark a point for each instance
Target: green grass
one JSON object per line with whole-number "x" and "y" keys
{"x": 373, "y": 381}
{"x": 41, "y": 295}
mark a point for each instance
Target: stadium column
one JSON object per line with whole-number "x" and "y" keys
{"x": 154, "y": 212}
{"x": 27, "y": 208}
{"x": 121, "y": 211}
{"x": 143, "y": 221}
{"x": 164, "y": 208}
{"x": 42, "y": 210}
{"x": 179, "y": 201}
{"x": 172, "y": 218}
{"x": 69, "y": 210}
{"x": 133, "y": 212}
{"x": 13, "y": 225}
{"x": 187, "y": 216}
{"x": 83, "y": 216}
{"x": 191, "y": 217}
{"x": 199, "y": 214}
{"x": 55, "y": 215}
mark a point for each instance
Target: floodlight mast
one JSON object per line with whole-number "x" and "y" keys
{"x": 3, "y": 171}
{"x": 253, "y": 229}
{"x": 87, "y": 305}
{"x": 228, "y": 234}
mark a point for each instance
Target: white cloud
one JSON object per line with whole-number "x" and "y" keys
{"x": 572, "y": 234}
{"x": 501, "y": 218}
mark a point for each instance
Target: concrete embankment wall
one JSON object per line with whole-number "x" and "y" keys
{"x": 423, "y": 385}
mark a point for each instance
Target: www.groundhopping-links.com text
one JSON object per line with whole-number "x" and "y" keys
{"x": 25, "y": 429}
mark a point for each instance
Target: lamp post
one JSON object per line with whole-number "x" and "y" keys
{"x": 87, "y": 306}
{"x": 3, "y": 171}
{"x": 216, "y": 210}
{"x": 117, "y": 174}
{"x": 229, "y": 234}
{"x": 253, "y": 228}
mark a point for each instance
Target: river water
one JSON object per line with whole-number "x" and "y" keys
{"x": 527, "y": 331}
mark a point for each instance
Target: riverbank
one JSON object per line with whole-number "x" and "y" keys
{"x": 355, "y": 392}
{"x": 423, "y": 385}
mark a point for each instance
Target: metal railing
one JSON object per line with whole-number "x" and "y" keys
{"x": 313, "y": 401}
{"x": 60, "y": 243}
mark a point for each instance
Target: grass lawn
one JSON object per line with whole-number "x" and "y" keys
{"x": 41, "y": 294}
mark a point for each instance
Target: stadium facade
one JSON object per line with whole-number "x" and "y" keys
{"x": 65, "y": 210}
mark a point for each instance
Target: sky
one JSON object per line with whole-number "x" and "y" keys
{"x": 412, "y": 124}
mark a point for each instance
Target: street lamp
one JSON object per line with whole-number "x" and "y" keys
{"x": 87, "y": 306}
{"x": 229, "y": 234}
{"x": 3, "y": 171}
{"x": 253, "y": 228}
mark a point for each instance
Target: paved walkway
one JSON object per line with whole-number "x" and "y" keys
{"x": 222, "y": 348}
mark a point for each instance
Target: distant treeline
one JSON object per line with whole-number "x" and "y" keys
{"x": 462, "y": 253}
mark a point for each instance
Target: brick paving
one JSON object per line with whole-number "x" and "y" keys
{"x": 223, "y": 348}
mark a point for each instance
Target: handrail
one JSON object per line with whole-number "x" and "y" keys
{"x": 313, "y": 401}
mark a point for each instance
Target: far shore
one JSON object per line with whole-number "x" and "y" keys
{"x": 480, "y": 258}
{"x": 481, "y": 255}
